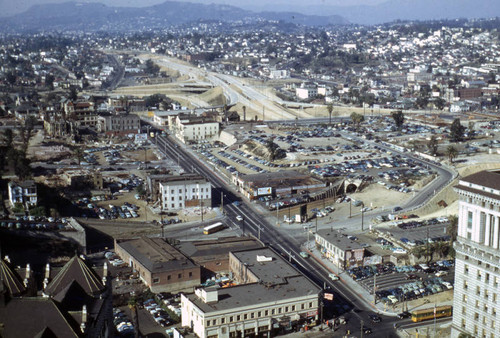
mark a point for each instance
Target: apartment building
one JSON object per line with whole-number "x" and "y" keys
{"x": 272, "y": 296}
{"x": 477, "y": 269}
{"x": 119, "y": 123}
{"x": 190, "y": 128}
{"x": 180, "y": 192}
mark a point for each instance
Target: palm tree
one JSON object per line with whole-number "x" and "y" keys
{"x": 451, "y": 152}
{"x": 330, "y": 110}
{"x": 418, "y": 252}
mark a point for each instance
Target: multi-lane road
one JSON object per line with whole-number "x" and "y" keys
{"x": 255, "y": 224}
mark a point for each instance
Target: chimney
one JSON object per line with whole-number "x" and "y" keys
{"x": 27, "y": 275}
{"x": 105, "y": 273}
{"x": 47, "y": 276}
{"x": 84, "y": 318}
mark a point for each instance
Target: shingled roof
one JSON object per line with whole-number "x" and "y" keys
{"x": 11, "y": 280}
{"x": 75, "y": 270}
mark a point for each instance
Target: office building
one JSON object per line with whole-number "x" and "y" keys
{"x": 477, "y": 271}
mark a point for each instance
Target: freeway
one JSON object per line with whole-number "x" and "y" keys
{"x": 234, "y": 89}
{"x": 255, "y": 224}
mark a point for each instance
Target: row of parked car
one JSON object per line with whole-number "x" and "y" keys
{"x": 367, "y": 271}
{"x": 413, "y": 290}
{"x": 241, "y": 162}
{"x": 122, "y": 323}
{"x": 420, "y": 223}
{"x": 35, "y": 226}
{"x": 159, "y": 314}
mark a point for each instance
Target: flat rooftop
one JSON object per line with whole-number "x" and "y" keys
{"x": 278, "y": 280}
{"x": 339, "y": 240}
{"x": 156, "y": 255}
{"x": 207, "y": 250}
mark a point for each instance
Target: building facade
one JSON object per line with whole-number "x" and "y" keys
{"x": 119, "y": 123}
{"x": 24, "y": 193}
{"x": 159, "y": 265}
{"x": 192, "y": 128}
{"x": 339, "y": 249}
{"x": 477, "y": 268}
{"x": 185, "y": 191}
{"x": 273, "y": 295}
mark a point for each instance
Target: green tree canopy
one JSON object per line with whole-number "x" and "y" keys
{"x": 432, "y": 145}
{"x": 456, "y": 131}
{"x": 399, "y": 118}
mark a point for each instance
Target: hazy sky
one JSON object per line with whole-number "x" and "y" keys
{"x": 9, "y": 7}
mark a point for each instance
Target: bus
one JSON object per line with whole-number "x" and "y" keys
{"x": 437, "y": 312}
{"x": 213, "y": 228}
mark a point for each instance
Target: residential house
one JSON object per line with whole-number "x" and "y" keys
{"x": 24, "y": 193}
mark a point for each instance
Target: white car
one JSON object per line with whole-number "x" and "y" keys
{"x": 239, "y": 218}
{"x": 333, "y": 276}
{"x": 447, "y": 285}
{"x": 441, "y": 273}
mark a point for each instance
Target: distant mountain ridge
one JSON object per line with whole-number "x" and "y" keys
{"x": 392, "y": 10}
{"x": 97, "y": 16}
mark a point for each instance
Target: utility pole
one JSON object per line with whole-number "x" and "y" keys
{"x": 277, "y": 213}
{"x": 362, "y": 328}
{"x": 362, "y": 216}
{"x": 350, "y": 207}
{"x": 222, "y": 202}
{"x": 201, "y": 207}
{"x": 374, "y": 289}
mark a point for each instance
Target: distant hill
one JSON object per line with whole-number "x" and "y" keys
{"x": 392, "y": 10}
{"x": 76, "y": 16}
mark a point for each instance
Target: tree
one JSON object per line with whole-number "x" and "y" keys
{"x": 432, "y": 145}
{"x": 79, "y": 154}
{"x": 357, "y": 119}
{"x": 49, "y": 81}
{"x": 451, "y": 152}
{"x": 26, "y": 132}
{"x": 151, "y": 67}
{"x": 418, "y": 251}
{"x": 73, "y": 93}
{"x": 329, "y": 107}
{"x": 452, "y": 227}
{"x": 8, "y": 138}
{"x": 456, "y": 131}
{"x": 11, "y": 78}
{"x": 399, "y": 118}
{"x": 439, "y": 103}
{"x": 141, "y": 191}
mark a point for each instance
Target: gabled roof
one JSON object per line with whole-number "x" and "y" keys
{"x": 37, "y": 317}
{"x": 75, "y": 270}
{"x": 11, "y": 280}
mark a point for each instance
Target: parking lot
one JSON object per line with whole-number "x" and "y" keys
{"x": 395, "y": 284}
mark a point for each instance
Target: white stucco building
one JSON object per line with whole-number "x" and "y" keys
{"x": 180, "y": 192}
{"x": 192, "y": 128}
{"x": 477, "y": 273}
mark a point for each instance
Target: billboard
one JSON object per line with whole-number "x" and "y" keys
{"x": 140, "y": 138}
{"x": 264, "y": 191}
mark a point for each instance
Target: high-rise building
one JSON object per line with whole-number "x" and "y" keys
{"x": 477, "y": 272}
